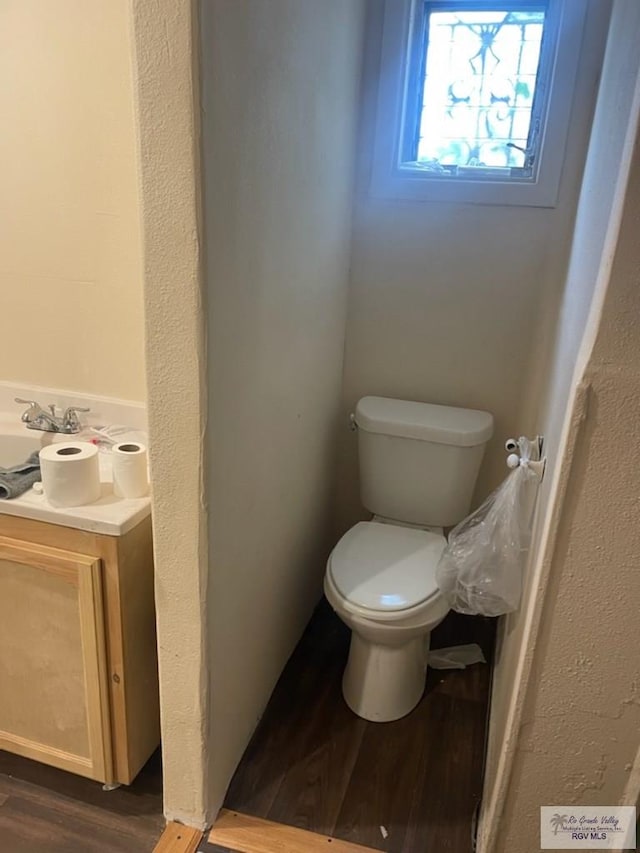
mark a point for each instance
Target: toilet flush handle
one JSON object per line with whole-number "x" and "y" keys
{"x": 353, "y": 426}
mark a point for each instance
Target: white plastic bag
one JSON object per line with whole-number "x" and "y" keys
{"x": 456, "y": 657}
{"x": 480, "y": 570}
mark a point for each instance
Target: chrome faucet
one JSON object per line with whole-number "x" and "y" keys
{"x": 35, "y": 417}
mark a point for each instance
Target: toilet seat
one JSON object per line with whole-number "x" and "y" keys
{"x": 385, "y": 570}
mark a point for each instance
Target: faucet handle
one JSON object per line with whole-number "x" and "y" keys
{"x": 32, "y": 412}
{"x": 70, "y": 417}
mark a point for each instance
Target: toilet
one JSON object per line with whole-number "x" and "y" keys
{"x": 418, "y": 466}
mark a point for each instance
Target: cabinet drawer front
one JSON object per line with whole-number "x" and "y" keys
{"x": 53, "y": 689}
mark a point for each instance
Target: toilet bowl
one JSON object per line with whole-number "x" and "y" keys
{"x": 380, "y": 580}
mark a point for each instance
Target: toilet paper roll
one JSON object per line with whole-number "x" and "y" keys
{"x": 129, "y": 462}
{"x": 70, "y": 473}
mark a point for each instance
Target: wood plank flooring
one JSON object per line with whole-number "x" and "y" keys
{"x": 177, "y": 838}
{"x": 254, "y": 835}
{"x": 313, "y": 764}
{"x": 44, "y": 810}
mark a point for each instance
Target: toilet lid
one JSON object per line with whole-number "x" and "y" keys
{"x": 386, "y": 567}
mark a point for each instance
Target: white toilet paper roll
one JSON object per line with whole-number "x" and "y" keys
{"x": 70, "y": 473}
{"x": 129, "y": 463}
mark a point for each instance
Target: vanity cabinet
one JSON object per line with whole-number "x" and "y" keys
{"x": 78, "y": 664}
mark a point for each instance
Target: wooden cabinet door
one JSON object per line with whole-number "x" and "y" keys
{"x": 54, "y": 703}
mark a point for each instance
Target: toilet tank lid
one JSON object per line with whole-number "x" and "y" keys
{"x": 424, "y": 421}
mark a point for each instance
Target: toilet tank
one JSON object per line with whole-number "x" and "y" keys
{"x": 419, "y": 462}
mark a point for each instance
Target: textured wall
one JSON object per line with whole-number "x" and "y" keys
{"x": 564, "y": 711}
{"x": 556, "y": 358}
{"x": 70, "y": 256}
{"x": 169, "y": 171}
{"x": 280, "y": 106}
{"x": 578, "y": 740}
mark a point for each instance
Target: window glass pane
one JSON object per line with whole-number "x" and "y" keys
{"x": 480, "y": 78}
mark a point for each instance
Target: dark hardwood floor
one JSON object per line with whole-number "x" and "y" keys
{"x": 44, "y": 810}
{"x": 313, "y": 764}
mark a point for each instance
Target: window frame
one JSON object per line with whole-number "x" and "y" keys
{"x": 403, "y": 20}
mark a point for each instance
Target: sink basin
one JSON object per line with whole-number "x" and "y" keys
{"x": 18, "y": 445}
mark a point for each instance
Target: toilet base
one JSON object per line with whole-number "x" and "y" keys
{"x": 385, "y": 683}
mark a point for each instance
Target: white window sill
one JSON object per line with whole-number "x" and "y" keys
{"x": 414, "y": 185}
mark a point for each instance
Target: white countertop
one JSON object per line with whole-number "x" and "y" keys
{"x": 109, "y": 515}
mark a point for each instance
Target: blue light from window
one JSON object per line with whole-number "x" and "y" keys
{"x": 479, "y": 84}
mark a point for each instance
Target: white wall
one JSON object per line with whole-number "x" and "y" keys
{"x": 578, "y": 738}
{"x": 444, "y": 297}
{"x": 167, "y": 112}
{"x": 552, "y": 661}
{"x": 280, "y": 84}
{"x": 70, "y": 255}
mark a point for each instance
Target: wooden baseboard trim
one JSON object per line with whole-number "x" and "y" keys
{"x": 246, "y": 834}
{"x": 177, "y": 838}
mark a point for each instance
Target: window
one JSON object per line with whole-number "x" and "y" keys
{"x": 474, "y": 99}
{"x": 474, "y": 89}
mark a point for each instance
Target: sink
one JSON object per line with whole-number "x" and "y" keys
{"x": 17, "y": 445}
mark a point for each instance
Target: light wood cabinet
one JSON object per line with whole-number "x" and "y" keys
{"x": 78, "y": 665}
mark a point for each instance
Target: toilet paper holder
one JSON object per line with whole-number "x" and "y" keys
{"x": 514, "y": 460}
